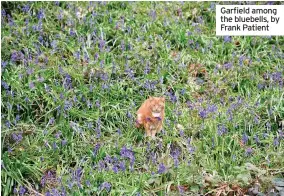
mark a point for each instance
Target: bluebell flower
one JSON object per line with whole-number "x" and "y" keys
{"x": 119, "y": 131}
{"x": 227, "y": 39}
{"x": 3, "y": 65}
{"x": 228, "y": 66}
{"x": 54, "y": 146}
{"x": 202, "y": 113}
{"x": 222, "y": 130}
{"x": 17, "y": 56}
{"x": 63, "y": 142}
{"x": 161, "y": 169}
{"x": 128, "y": 153}
{"x": 41, "y": 14}
{"x": 256, "y": 139}
{"x": 106, "y": 186}
{"x": 245, "y": 138}
{"x": 268, "y": 126}
{"x": 15, "y": 191}
{"x": 115, "y": 168}
{"x": 4, "y": 84}
{"x": 276, "y": 141}
{"x": 31, "y": 85}
{"x": 248, "y": 151}
{"x": 22, "y": 190}
{"x": 122, "y": 166}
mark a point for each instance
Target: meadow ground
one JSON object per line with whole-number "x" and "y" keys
{"x": 74, "y": 74}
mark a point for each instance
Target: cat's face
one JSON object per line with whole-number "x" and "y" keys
{"x": 157, "y": 105}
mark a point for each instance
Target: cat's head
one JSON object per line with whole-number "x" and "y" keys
{"x": 157, "y": 105}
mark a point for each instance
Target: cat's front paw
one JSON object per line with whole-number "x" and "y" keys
{"x": 137, "y": 124}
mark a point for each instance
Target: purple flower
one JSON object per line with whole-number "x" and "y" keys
{"x": 51, "y": 121}
{"x": 212, "y": 6}
{"x": 97, "y": 103}
{"x": 40, "y": 14}
{"x": 268, "y": 126}
{"x": 276, "y": 141}
{"x": 63, "y": 142}
{"x": 106, "y": 186}
{"x": 227, "y": 39}
{"x": 260, "y": 86}
{"x": 60, "y": 15}
{"x": 245, "y": 138}
{"x": 173, "y": 97}
{"x": 40, "y": 79}
{"x": 77, "y": 55}
{"x": 115, "y": 169}
{"x": 67, "y": 83}
{"x": 9, "y": 149}
{"x": 5, "y": 85}
{"x": 54, "y": 146}
{"x": 17, "y": 137}
{"x": 222, "y": 130}
{"x": 31, "y": 85}
{"x": 17, "y": 56}
{"x": 58, "y": 134}
{"x": 212, "y": 108}
{"x": 22, "y": 190}
{"x": 190, "y": 105}
{"x": 241, "y": 60}
{"x": 153, "y": 14}
{"x": 182, "y": 92}
{"x": 256, "y": 139}
{"x": 128, "y": 153}
{"x": 128, "y": 114}
{"x": 3, "y": 13}
{"x": 3, "y": 65}
{"x": 181, "y": 189}
{"x": 72, "y": 32}
{"x": 147, "y": 68}
{"x": 78, "y": 174}
{"x": 89, "y": 104}
{"x": 265, "y": 135}
{"x": 248, "y": 151}
{"x": 228, "y": 66}
{"x": 213, "y": 142}
{"x": 53, "y": 44}
{"x": 281, "y": 134}
{"x": 122, "y": 166}
{"x": 256, "y": 120}
{"x": 176, "y": 162}
{"x": 8, "y": 124}
{"x": 88, "y": 183}
{"x": 26, "y": 8}
{"x": 202, "y": 113}
{"x": 119, "y": 131}
{"x": 161, "y": 169}
{"x": 102, "y": 44}
{"x": 98, "y": 128}
{"x": 96, "y": 149}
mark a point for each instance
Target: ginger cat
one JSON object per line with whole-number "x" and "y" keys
{"x": 151, "y": 115}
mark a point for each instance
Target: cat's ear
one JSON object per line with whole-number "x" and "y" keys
{"x": 163, "y": 99}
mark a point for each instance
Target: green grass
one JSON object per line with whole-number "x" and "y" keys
{"x": 56, "y": 107}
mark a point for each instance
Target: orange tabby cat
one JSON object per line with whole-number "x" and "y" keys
{"x": 151, "y": 115}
